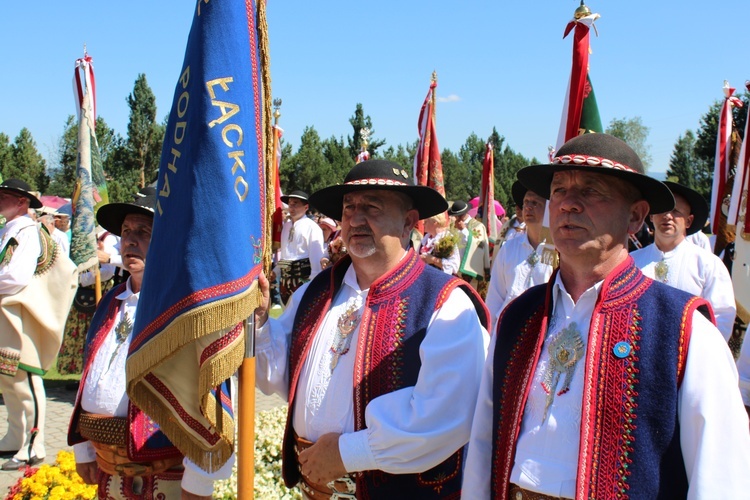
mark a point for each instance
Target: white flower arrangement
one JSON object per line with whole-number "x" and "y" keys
{"x": 269, "y": 433}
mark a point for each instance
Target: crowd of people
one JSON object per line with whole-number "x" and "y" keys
{"x": 552, "y": 362}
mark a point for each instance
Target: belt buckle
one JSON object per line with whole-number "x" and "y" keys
{"x": 131, "y": 469}
{"x": 348, "y": 493}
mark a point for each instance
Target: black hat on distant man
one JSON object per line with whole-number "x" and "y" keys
{"x": 458, "y": 208}
{"x": 698, "y": 205}
{"x": 112, "y": 215}
{"x": 601, "y": 154}
{"x": 378, "y": 175}
{"x": 300, "y": 195}
{"x": 19, "y": 187}
{"x": 517, "y": 192}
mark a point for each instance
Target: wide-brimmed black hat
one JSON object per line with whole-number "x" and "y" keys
{"x": 19, "y": 187}
{"x": 378, "y": 175}
{"x": 300, "y": 195}
{"x": 601, "y": 154}
{"x": 458, "y": 208}
{"x": 112, "y": 215}
{"x": 698, "y": 205}
{"x": 517, "y": 192}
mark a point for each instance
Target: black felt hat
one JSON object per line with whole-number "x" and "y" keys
{"x": 300, "y": 195}
{"x": 602, "y": 154}
{"x": 378, "y": 175}
{"x": 698, "y": 205}
{"x": 458, "y": 208}
{"x": 112, "y": 215}
{"x": 19, "y": 187}
{"x": 517, "y": 192}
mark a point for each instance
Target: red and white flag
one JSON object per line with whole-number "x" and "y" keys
{"x": 487, "y": 196}
{"x": 741, "y": 183}
{"x": 363, "y": 156}
{"x": 722, "y": 163}
{"x": 84, "y": 83}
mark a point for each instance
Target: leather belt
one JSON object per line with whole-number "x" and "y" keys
{"x": 517, "y": 493}
{"x": 343, "y": 488}
{"x": 114, "y": 460}
{"x": 103, "y": 428}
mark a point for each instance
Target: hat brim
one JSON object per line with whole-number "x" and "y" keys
{"x": 698, "y": 206}
{"x": 538, "y": 178}
{"x": 285, "y": 199}
{"x": 112, "y": 215}
{"x": 459, "y": 212}
{"x": 34, "y": 202}
{"x": 330, "y": 200}
{"x": 517, "y": 192}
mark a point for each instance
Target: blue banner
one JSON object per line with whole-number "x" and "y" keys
{"x": 208, "y": 236}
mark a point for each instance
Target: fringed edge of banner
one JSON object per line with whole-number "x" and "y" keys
{"x": 185, "y": 329}
{"x": 209, "y": 459}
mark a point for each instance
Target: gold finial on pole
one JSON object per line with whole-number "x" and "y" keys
{"x": 276, "y": 112}
{"x": 365, "y": 134}
{"x": 582, "y": 11}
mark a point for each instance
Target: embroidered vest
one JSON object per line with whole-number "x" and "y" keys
{"x": 394, "y": 322}
{"x": 145, "y": 441}
{"x": 630, "y": 433}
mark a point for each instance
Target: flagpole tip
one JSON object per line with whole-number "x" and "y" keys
{"x": 434, "y": 76}
{"x": 582, "y": 11}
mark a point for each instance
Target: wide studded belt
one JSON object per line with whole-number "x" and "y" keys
{"x": 517, "y": 493}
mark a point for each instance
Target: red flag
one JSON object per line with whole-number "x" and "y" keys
{"x": 428, "y": 168}
{"x": 722, "y": 163}
{"x": 487, "y": 196}
{"x": 580, "y": 111}
{"x": 363, "y": 156}
{"x": 741, "y": 181}
{"x": 278, "y": 215}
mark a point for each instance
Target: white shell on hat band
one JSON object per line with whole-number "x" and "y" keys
{"x": 592, "y": 161}
{"x": 375, "y": 182}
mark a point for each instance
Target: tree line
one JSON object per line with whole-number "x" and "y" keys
{"x": 132, "y": 161}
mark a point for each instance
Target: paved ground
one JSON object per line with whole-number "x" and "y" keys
{"x": 59, "y": 407}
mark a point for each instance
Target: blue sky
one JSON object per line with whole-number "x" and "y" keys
{"x": 501, "y": 64}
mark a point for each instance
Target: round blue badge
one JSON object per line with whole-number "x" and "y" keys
{"x": 622, "y": 349}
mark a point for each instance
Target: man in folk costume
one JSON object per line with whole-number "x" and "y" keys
{"x": 604, "y": 383}
{"x": 474, "y": 248}
{"x": 676, "y": 261}
{"x": 514, "y": 226}
{"x": 376, "y": 353}
{"x": 301, "y": 245}
{"x": 116, "y": 445}
{"x": 34, "y": 299}
{"x": 521, "y": 262}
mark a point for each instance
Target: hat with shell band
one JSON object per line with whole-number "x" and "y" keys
{"x": 378, "y": 175}
{"x": 601, "y": 154}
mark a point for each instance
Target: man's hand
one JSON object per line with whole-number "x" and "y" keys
{"x": 321, "y": 463}
{"x": 88, "y": 471}
{"x": 186, "y": 495}
{"x": 261, "y": 312}
{"x": 102, "y": 256}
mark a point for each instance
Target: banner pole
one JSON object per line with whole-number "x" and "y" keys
{"x": 246, "y": 417}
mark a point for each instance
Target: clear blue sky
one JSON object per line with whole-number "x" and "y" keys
{"x": 501, "y": 64}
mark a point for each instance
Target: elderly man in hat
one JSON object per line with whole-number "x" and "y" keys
{"x": 117, "y": 445}
{"x": 301, "y": 245}
{"x": 37, "y": 284}
{"x": 676, "y": 261}
{"x": 20, "y": 357}
{"x": 604, "y": 383}
{"x": 474, "y": 247}
{"x": 379, "y": 356}
{"x": 522, "y": 261}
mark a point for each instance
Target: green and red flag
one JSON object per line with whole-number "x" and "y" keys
{"x": 580, "y": 111}
{"x": 91, "y": 189}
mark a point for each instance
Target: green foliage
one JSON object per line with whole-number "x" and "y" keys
{"x": 358, "y": 122}
{"x": 6, "y": 156}
{"x": 337, "y": 155}
{"x": 144, "y": 135}
{"x": 635, "y": 134}
{"x": 27, "y": 164}
{"x": 687, "y": 168}
{"x": 308, "y": 169}
{"x": 402, "y": 155}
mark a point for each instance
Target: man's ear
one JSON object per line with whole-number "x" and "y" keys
{"x": 411, "y": 219}
{"x": 638, "y": 213}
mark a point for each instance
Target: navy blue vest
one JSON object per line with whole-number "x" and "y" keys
{"x": 397, "y": 311}
{"x": 632, "y": 446}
